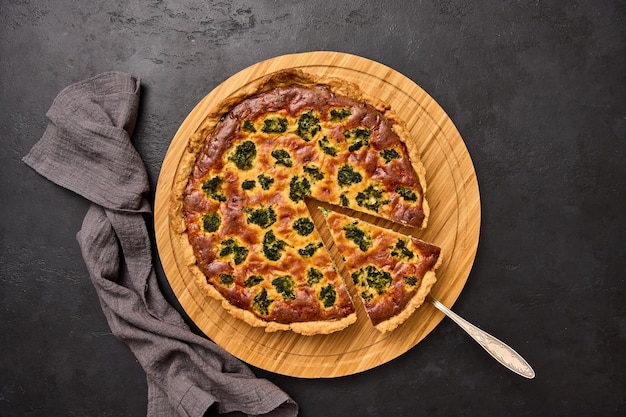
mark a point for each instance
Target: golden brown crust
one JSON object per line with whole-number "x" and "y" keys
{"x": 287, "y": 94}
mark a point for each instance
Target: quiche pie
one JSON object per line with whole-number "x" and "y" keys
{"x": 238, "y": 204}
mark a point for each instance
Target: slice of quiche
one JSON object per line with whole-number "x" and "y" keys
{"x": 391, "y": 272}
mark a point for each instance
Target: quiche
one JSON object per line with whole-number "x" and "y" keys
{"x": 239, "y": 199}
{"x": 391, "y": 272}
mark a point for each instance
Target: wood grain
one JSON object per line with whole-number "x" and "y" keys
{"x": 454, "y": 226}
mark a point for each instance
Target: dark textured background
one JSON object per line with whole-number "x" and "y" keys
{"x": 537, "y": 90}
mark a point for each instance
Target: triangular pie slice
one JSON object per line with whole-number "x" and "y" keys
{"x": 391, "y": 272}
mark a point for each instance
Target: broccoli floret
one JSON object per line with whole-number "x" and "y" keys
{"x": 327, "y": 148}
{"x": 263, "y": 216}
{"x": 230, "y": 246}
{"x": 372, "y": 278}
{"x": 389, "y": 154}
{"x": 357, "y": 138}
{"x": 360, "y": 238}
{"x": 328, "y": 295}
{"x": 282, "y": 157}
{"x": 313, "y": 172}
{"x": 227, "y": 279}
{"x": 309, "y": 249}
{"x": 275, "y": 124}
{"x": 244, "y": 155}
{"x": 308, "y": 126}
{"x": 272, "y": 247}
{"x": 343, "y": 200}
{"x": 371, "y": 198}
{"x": 304, "y": 226}
{"x": 339, "y": 115}
{"x": 347, "y": 176}
{"x": 261, "y": 303}
{"x": 313, "y": 276}
{"x": 406, "y": 193}
{"x": 298, "y": 188}
{"x": 213, "y": 189}
{"x": 253, "y": 280}
{"x": 401, "y": 251}
{"x": 248, "y": 184}
{"x": 285, "y": 286}
{"x": 248, "y": 126}
{"x": 411, "y": 280}
{"x": 211, "y": 222}
{"x": 265, "y": 181}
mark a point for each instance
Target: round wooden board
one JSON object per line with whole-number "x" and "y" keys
{"x": 453, "y": 225}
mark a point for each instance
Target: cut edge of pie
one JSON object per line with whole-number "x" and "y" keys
{"x": 380, "y": 255}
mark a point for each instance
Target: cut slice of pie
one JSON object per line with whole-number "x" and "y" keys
{"x": 391, "y": 272}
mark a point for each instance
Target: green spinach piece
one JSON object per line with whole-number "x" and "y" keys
{"x": 298, "y": 188}
{"x": 282, "y": 157}
{"x": 371, "y": 277}
{"x": 285, "y": 286}
{"x": 211, "y": 222}
{"x": 303, "y": 226}
{"x": 339, "y": 115}
{"x": 406, "y": 193}
{"x": 313, "y": 172}
{"x": 327, "y": 148}
{"x": 411, "y": 281}
{"x": 328, "y": 295}
{"x": 273, "y": 247}
{"x": 262, "y": 216}
{"x": 230, "y": 247}
{"x": 389, "y": 154}
{"x": 357, "y": 235}
{"x": 308, "y": 126}
{"x": 261, "y": 302}
{"x": 213, "y": 189}
{"x": 253, "y": 280}
{"x": 346, "y": 176}
{"x": 401, "y": 251}
{"x": 265, "y": 181}
{"x": 275, "y": 124}
{"x": 371, "y": 198}
{"x": 313, "y": 276}
{"x": 248, "y": 126}
{"x": 248, "y": 184}
{"x": 357, "y": 138}
{"x": 227, "y": 279}
{"x": 244, "y": 155}
{"x": 309, "y": 249}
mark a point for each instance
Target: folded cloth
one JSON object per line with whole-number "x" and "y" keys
{"x": 86, "y": 148}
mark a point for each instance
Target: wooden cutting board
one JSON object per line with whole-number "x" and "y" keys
{"x": 453, "y": 225}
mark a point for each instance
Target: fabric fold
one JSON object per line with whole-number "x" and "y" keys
{"x": 86, "y": 148}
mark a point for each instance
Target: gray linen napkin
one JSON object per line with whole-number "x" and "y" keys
{"x": 86, "y": 148}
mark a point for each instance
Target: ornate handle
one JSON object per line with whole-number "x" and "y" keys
{"x": 495, "y": 347}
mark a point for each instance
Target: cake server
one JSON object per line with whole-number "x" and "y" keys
{"x": 501, "y": 352}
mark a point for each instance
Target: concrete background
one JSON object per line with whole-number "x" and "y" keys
{"x": 536, "y": 88}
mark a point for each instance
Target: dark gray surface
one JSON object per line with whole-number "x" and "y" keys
{"x": 537, "y": 90}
